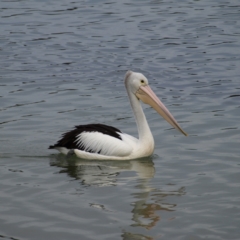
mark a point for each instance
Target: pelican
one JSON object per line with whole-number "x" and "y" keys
{"x": 103, "y": 142}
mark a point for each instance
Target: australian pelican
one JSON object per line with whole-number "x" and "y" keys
{"x": 98, "y": 141}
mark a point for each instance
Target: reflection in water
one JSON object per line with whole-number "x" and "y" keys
{"x": 102, "y": 173}
{"x": 145, "y": 214}
{"x": 147, "y": 201}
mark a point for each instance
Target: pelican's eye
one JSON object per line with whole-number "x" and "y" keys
{"x": 142, "y": 81}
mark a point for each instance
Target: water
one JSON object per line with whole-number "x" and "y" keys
{"x": 63, "y": 63}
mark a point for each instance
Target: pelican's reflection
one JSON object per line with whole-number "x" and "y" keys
{"x": 103, "y": 173}
{"x": 147, "y": 214}
{"x": 147, "y": 202}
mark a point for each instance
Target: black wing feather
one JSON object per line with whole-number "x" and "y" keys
{"x": 68, "y": 139}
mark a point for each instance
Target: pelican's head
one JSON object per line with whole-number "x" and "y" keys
{"x": 137, "y": 84}
{"x": 134, "y": 80}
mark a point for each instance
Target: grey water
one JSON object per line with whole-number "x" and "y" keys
{"x": 62, "y": 64}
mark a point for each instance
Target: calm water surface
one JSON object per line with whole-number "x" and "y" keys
{"x": 62, "y": 64}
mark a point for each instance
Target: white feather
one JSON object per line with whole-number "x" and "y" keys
{"x": 63, "y": 150}
{"x": 104, "y": 144}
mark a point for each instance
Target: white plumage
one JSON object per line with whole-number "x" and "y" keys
{"x": 99, "y": 142}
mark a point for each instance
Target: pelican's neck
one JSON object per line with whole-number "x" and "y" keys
{"x": 144, "y": 132}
